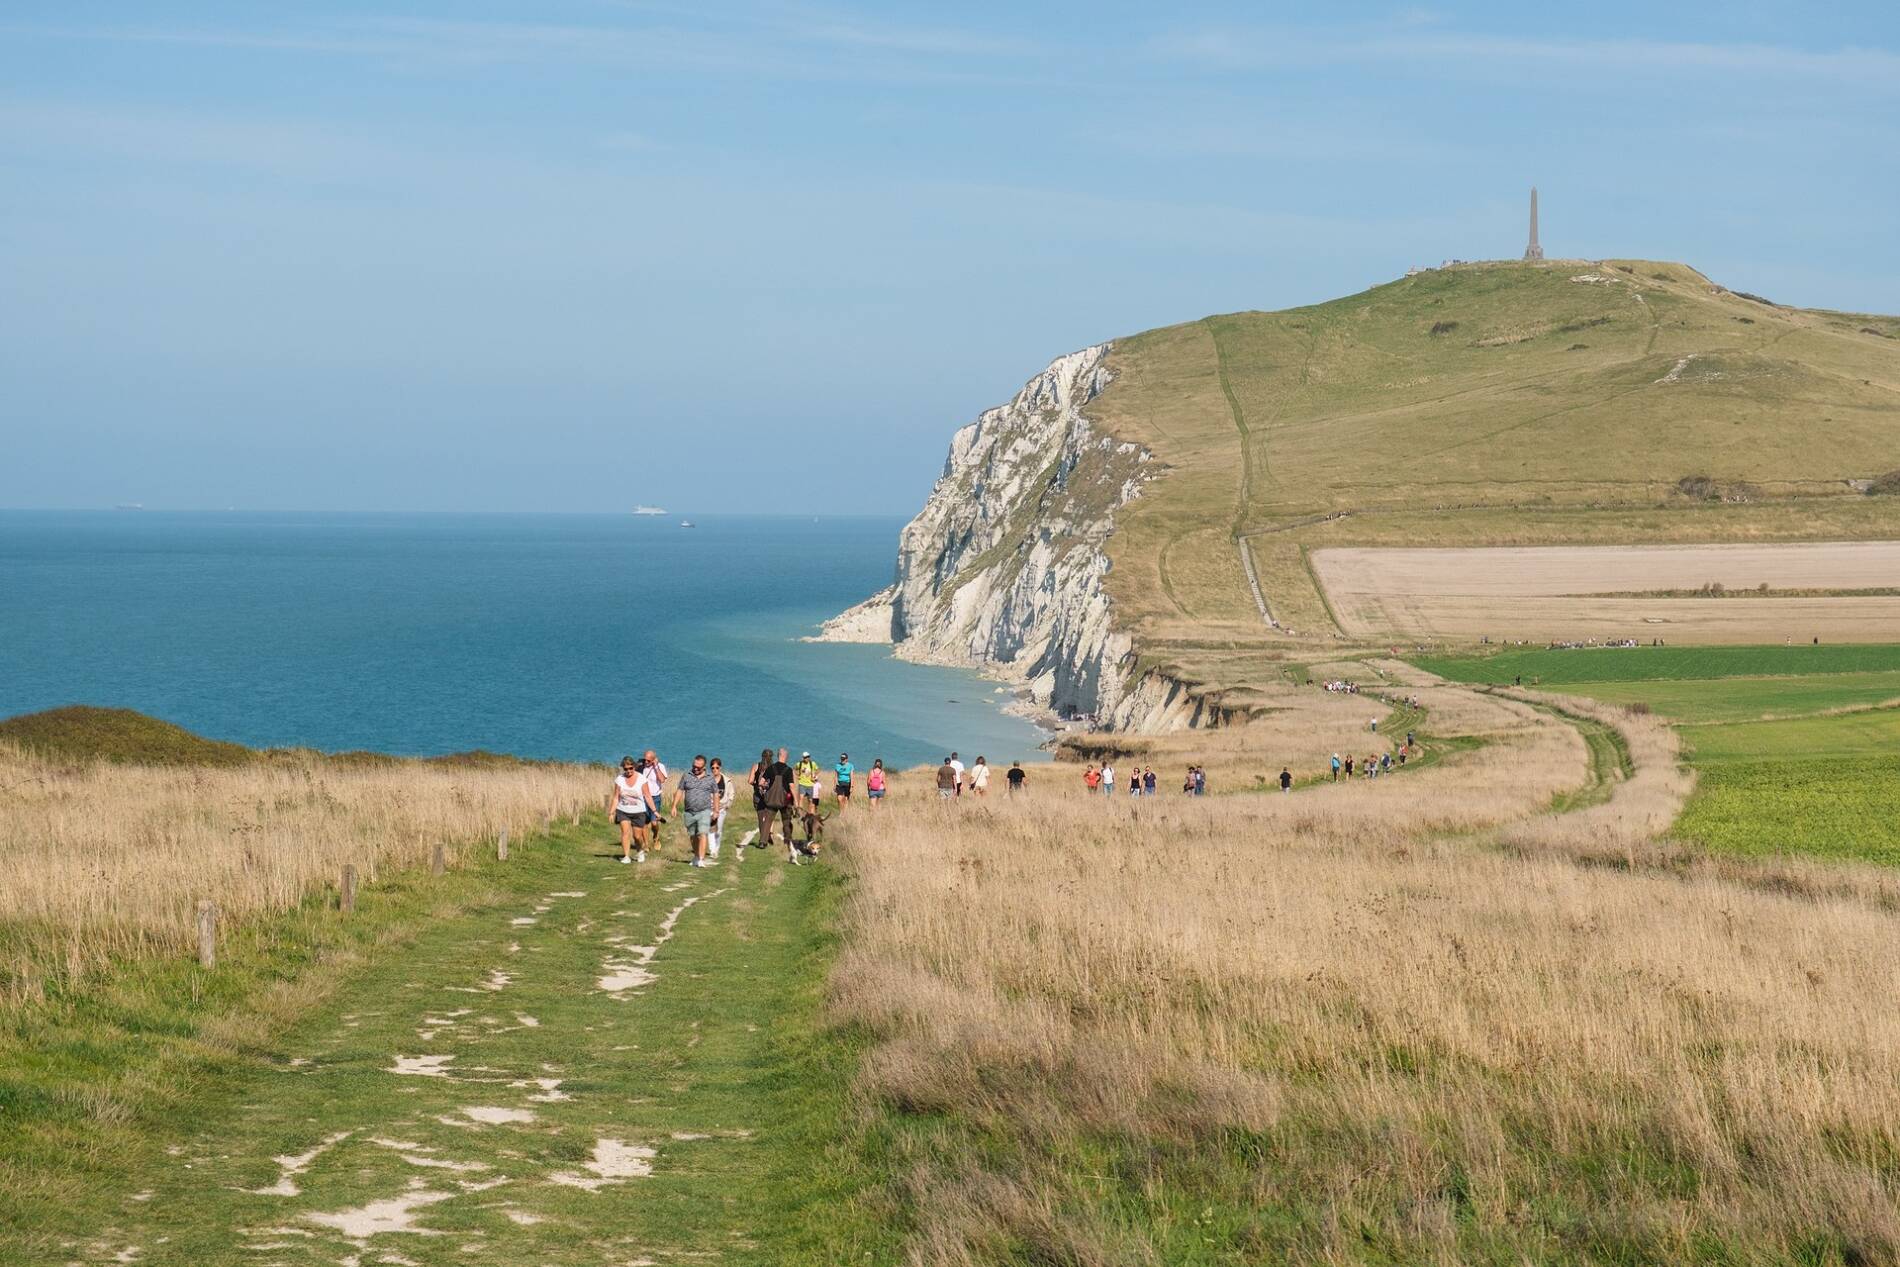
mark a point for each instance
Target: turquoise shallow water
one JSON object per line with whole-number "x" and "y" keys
{"x": 578, "y": 637}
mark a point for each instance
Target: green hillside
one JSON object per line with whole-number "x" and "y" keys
{"x": 1611, "y": 402}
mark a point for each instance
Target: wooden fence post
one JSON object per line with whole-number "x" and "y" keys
{"x": 207, "y": 934}
{"x": 575, "y": 819}
{"x": 437, "y": 864}
{"x": 501, "y": 845}
{"x": 349, "y": 890}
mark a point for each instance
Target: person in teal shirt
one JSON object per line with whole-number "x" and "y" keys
{"x": 844, "y": 770}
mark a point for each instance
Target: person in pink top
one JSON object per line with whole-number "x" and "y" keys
{"x": 874, "y": 782}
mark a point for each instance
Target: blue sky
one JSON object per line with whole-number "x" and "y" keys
{"x": 578, "y": 254}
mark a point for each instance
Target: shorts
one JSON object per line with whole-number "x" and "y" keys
{"x": 699, "y": 822}
{"x": 844, "y": 791}
{"x": 946, "y": 793}
{"x": 804, "y": 791}
{"x": 638, "y": 817}
{"x": 876, "y": 793}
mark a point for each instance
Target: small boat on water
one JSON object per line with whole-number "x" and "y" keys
{"x": 686, "y": 523}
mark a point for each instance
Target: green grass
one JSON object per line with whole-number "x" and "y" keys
{"x": 1647, "y": 664}
{"x": 181, "y": 1085}
{"x": 85, "y": 733}
{"x": 1829, "y": 807}
{"x": 1846, "y": 736}
{"x": 1747, "y": 699}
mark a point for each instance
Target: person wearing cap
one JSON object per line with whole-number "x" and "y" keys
{"x": 844, "y": 771}
{"x": 806, "y": 772}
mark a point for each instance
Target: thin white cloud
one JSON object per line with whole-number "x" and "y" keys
{"x": 800, "y": 44}
{"x": 1255, "y": 48}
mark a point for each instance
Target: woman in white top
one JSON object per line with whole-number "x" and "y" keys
{"x": 723, "y": 786}
{"x": 980, "y": 777}
{"x": 633, "y": 809}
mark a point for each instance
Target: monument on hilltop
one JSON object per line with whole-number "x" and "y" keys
{"x": 1533, "y": 251}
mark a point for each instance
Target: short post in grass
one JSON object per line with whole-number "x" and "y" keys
{"x": 438, "y": 863}
{"x": 501, "y": 846}
{"x": 348, "y": 890}
{"x": 207, "y": 934}
{"x": 574, "y": 820}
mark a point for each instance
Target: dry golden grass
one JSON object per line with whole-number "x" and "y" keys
{"x": 108, "y": 860}
{"x": 1374, "y": 1027}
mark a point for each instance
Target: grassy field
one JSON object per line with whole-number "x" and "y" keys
{"x": 1837, "y": 806}
{"x": 1692, "y": 700}
{"x": 258, "y": 835}
{"x": 1326, "y": 1028}
{"x": 1822, "y": 777}
{"x": 1842, "y": 736}
{"x": 1650, "y": 664}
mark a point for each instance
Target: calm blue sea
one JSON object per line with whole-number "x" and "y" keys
{"x": 571, "y": 636}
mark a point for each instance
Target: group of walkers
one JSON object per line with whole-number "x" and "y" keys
{"x": 1100, "y": 780}
{"x": 788, "y": 796}
{"x": 704, "y": 792}
{"x": 953, "y": 777}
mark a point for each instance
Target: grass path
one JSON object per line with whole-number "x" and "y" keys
{"x": 603, "y": 1066}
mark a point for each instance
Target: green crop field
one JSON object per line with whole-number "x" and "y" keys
{"x": 1693, "y": 700}
{"x": 1846, "y": 736}
{"x": 1822, "y": 777}
{"x": 1831, "y": 807}
{"x": 1657, "y": 664}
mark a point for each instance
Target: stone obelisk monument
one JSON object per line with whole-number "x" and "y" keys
{"x": 1533, "y": 251}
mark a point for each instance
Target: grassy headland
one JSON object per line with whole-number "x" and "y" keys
{"x": 1612, "y": 403}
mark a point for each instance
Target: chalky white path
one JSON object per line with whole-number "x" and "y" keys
{"x": 619, "y": 975}
{"x": 474, "y": 1147}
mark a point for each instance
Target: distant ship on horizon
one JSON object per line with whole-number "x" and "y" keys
{"x": 648, "y": 510}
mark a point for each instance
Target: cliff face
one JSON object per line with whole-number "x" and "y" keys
{"x": 1003, "y": 566}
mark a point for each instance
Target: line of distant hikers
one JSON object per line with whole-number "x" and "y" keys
{"x": 788, "y": 796}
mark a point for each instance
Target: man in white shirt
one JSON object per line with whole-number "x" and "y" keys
{"x": 957, "y": 765}
{"x": 1108, "y": 779}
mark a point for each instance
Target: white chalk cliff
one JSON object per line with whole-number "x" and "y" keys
{"x": 1003, "y": 567}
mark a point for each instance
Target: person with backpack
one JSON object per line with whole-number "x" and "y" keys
{"x": 773, "y": 794}
{"x": 806, "y": 777}
{"x": 874, "y": 782}
{"x": 1336, "y": 768}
